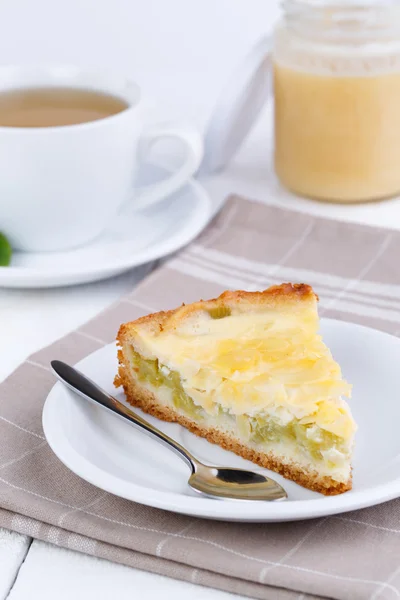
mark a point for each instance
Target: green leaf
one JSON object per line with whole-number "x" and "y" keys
{"x": 5, "y": 251}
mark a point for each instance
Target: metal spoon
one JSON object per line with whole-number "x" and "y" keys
{"x": 222, "y": 482}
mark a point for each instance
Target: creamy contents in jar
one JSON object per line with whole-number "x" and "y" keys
{"x": 337, "y": 124}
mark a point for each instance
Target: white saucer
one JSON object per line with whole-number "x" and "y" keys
{"x": 119, "y": 459}
{"x": 131, "y": 240}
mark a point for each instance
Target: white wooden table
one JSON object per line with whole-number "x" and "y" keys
{"x": 180, "y": 51}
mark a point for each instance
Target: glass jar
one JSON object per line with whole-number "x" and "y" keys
{"x": 337, "y": 99}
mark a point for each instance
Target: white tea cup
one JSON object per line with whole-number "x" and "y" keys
{"x": 60, "y": 186}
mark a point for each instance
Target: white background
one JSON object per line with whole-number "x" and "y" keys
{"x": 181, "y": 52}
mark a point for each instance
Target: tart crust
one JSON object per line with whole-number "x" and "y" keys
{"x": 139, "y": 396}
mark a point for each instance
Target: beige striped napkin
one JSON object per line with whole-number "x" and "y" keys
{"x": 353, "y": 556}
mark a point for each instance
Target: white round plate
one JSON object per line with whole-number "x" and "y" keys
{"x": 116, "y": 457}
{"x": 134, "y": 238}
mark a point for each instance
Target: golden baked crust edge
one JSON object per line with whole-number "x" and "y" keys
{"x": 273, "y": 297}
{"x": 142, "y": 398}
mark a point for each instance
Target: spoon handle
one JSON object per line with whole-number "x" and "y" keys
{"x": 89, "y": 390}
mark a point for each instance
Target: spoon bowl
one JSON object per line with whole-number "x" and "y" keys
{"x": 235, "y": 484}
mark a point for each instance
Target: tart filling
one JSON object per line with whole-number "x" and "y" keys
{"x": 307, "y": 440}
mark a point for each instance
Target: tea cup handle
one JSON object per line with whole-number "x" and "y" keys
{"x": 192, "y": 141}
